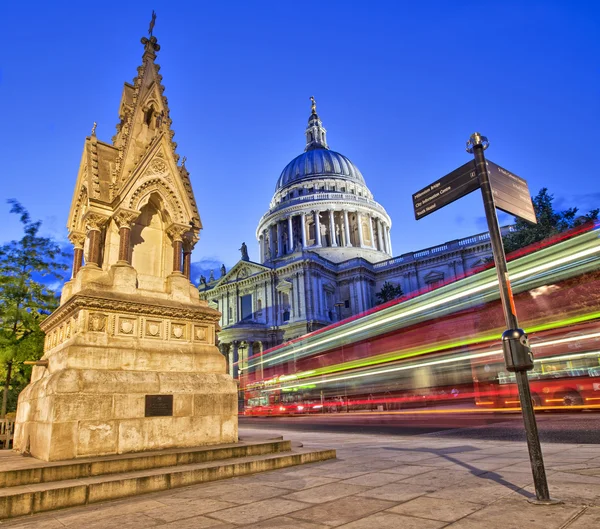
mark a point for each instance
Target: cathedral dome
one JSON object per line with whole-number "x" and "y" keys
{"x": 319, "y": 163}
{"x": 322, "y": 205}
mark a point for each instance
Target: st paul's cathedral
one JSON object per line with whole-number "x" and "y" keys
{"x": 325, "y": 251}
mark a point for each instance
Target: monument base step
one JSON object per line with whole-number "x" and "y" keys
{"x": 38, "y": 486}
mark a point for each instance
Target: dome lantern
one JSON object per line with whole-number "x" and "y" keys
{"x": 316, "y": 135}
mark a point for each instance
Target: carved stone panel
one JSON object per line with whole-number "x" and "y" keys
{"x": 126, "y": 326}
{"x": 153, "y": 329}
{"x": 178, "y": 331}
{"x": 200, "y": 333}
{"x": 97, "y": 322}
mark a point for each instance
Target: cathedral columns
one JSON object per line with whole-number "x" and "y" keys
{"x": 379, "y": 237}
{"x": 290, "y": 235}
{"x": 388, "y": 239}
{"x": 317, "y": 229}
{"x": 94, "y": 223}
{"x": 303, "y": 218}
{"x": 332, "y": 229}
{"x": 361, "y": 243}
{"x": 347, "y": 229}
{"x": 279, "y": 245}
{"x": 261, "y": 249}
{"x": 78, "y": 240}
{"x": 370, "y": 221}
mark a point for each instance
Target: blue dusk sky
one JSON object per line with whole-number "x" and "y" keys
{"x": 399, "y": 86}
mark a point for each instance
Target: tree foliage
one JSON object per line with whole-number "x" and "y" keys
{"x": 549, "y": 222}
{"x": 26, "y": 300}
{"x": 388, "y": 292}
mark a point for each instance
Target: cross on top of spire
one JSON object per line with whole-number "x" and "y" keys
{"x": 152, "y": 22}
{"x": 315, "y": 132}
{"x": 151, "y": 45}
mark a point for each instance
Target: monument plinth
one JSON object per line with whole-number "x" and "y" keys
{"x": 132, "y": 363}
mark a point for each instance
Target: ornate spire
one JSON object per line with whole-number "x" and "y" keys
{"x": 315, "y": 132}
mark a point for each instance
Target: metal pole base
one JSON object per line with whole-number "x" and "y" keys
{"x": 549, "y": 501}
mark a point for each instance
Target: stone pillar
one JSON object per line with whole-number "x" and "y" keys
{"x": 290, "y": 235}
{"x": 317, "y": 229}
{"x": 176, "y": 232}
{"x": 347, "y": 229}
{"x": 303, "y": 227}
{"x": 332, "y": 228}
{"x": 389, "y": 240}
{"x": 94, "y": 222}
{"x": 78, "y": 240}
{"x": 271, "y": 240}
{"x": 370, "y": 221}
{"x": 361, "y": 243}
{"x": 189, "y": 242}
{"x": 379, "y": 237}
{"x": 279, "y": 245}
{"x": 261, "y": 248}
{"x": 124, "y": 218}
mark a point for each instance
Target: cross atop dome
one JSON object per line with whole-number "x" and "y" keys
{"x": 315, "y": 132}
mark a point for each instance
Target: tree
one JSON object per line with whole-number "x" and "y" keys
{"x": 550, "y": 222}
{"x": 388, "y": 292}
{"x": 25, "y": 300}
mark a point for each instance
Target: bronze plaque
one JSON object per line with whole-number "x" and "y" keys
{"x": 159, "y": 405}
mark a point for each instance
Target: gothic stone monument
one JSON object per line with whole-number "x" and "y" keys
{"x": 130, "y": 361}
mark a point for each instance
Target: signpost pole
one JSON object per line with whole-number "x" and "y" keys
{"x": 477, "y": 144}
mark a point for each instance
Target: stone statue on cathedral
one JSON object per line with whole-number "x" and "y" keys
{"x": 223, "y": 270}
{"x": 244, "y": 250}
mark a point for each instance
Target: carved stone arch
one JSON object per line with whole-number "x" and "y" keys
{"x": 78, "y": 211}
{"x": 141, "y": 195}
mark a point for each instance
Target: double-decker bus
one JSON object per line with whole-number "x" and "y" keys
{"x": 442, "y": 346}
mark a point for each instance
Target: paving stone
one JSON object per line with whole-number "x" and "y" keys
{"x": 124, "y": 521}
{"x": 256, "y": 512}
{"x": 284, "y": 522}
{"x": 590, "y": 517}
{"x": 374, "y": 479}
{"x": 170, "y": 513}
{"x": 385, "y": 520}
{"x": 197, "y": 522}
{"x": 518, "y": 514}
{"x": 436, "y": 509}
{"x": 325, "y": 493}
{"x": 409, "y": 470}
{"x": 396, "y": 492}
{"x": 437, "y": 479}
{"x": 342, "y": 511}
{"x": 245, "y": 494}
{"x": 37, "y": 523}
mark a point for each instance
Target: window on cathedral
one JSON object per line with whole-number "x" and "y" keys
{"x": 229, "y": 314}
{"x": 259, "y": 307}
{"x": 148, "y": 117}
{"x": 246, "y": 307}
{"x": 347, "y": 304}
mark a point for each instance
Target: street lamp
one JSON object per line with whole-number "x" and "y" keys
{"x": 338, "y": 307}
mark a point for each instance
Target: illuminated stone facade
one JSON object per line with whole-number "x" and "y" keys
{"x": 324, "y": 252}
{"x": 130, "y": 361}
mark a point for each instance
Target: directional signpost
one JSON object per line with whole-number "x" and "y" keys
{"x": 511, "y": 193}
{"x": 449, "y": 188}
{"x": 504, "y": 190}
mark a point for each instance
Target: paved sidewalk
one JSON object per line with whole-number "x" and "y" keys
{"x": 377, "y": 482}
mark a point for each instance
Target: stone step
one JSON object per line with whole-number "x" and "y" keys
{"x": 45, "y": 496}
{"x": 29, "y": 471}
